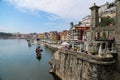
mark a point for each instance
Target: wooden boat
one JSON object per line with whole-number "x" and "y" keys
{"x": 38, "y": 51}
{"x": 38, "y": 54}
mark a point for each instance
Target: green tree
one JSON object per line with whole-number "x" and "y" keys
{"x": 105, "y": 21}
{"x": 71, "y": 24}
{"x": 79, "y": 23}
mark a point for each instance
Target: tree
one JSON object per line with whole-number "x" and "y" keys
{"x": 71, "y": 24}
{"x": 79, "y": 23}
{"x": 105, "y": 21}
{"x": 2, "y": 34}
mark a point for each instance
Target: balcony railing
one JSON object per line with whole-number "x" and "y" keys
{"x": 104, "y": 39}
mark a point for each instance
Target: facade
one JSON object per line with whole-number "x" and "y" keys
{"x": 105, "y": 10}
{"x": 68, "y": 36}
{"x": 63, "y": 35}
{"x": 108, "y": 9}
{"x": 54, "y": 35}
{"x": 76, "y": 32}
{"x": 23, "y": 36}
{"x": 99, "y": 40}
{"x": 46, "y": 35}
{"x": 32, "y": 36}
{"x": 86, "y": 21}
{"x": 40, "y": 36}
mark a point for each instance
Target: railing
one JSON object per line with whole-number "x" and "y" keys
{"x": 90, "y": 58}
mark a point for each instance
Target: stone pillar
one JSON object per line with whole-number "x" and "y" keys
{"x": 100, "y": 50}
{"x": 72, "y": 45}
{"x": 117, "y": 33}
{"x": 94, "y": 16}
{"x": 106, "y": 47}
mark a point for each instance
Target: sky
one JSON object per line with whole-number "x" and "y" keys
{"x": 39, "y": 16}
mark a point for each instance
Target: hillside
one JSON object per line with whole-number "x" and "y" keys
{"x": 2, "y": 34}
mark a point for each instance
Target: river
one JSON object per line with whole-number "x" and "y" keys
{"x": 18, "y": 61}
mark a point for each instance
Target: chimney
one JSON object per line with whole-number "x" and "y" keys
{"x": 94, "y": 16}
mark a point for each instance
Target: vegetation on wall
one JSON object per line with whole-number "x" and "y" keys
{"x": 106, "y": 21}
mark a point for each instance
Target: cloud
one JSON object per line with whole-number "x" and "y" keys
{"x": 71, "y": 9}
{"x": 54, "y": 17}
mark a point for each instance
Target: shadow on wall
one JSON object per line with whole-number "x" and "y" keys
{"x": 56, "y": 77}
{"x": 116, "y": 75}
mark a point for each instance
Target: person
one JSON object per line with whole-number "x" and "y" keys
{"x": 38, "y": 50}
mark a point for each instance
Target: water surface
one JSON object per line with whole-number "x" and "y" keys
{"x": 18, "y": 61}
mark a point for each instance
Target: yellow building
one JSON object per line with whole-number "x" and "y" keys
{"x": 40, "y": 35}
{"x": 63, "y": 35}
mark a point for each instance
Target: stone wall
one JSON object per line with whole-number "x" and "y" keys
{"x": 51, "y": 48}
{"x": 117, "y": 34}
{"x": 70, "y": 65}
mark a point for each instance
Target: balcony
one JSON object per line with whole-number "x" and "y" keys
{"x": 104, "y": 39}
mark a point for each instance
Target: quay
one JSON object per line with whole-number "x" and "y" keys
{"x": 72, "y": 65}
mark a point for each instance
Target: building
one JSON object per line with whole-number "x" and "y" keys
{"x": 46, "y": 36}
{"x": 108, "y": 9}
{"x": 40, "y": 36}
{"x": 75, "y": 35}
{"x": 86, "y": 21}
{"x": 99, "y": 40}
{"x": 63, "y": 35}
{"x": 105, "y": 10}
{"x": 104, "y": 41}
{"x": 76, "y": 32}
{"x": 54, "y": 36}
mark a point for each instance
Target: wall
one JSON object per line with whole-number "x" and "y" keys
{"x": 117, "y": 33}
{"x": 77, "y": 66}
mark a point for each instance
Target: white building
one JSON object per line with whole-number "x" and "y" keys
{"x": 86, "y": 21}
{"x": 108, "y": 9}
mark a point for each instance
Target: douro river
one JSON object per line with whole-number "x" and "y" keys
{"x": 18, "y": 61}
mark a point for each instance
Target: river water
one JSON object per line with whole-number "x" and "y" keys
{"x": 18, "y": 61}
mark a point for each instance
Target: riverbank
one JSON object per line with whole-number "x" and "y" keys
{"x": 68, "y": 65}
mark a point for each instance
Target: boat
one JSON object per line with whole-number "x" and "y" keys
{"x": 38, "y": 55}
{"x": 38, "y": 51}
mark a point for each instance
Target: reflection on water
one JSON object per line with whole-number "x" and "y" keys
{"x": 55, "y": 77}
{"x": 0, "y": 78}
{"x": 38, "y": 57}
{"x": 19, "y": 62}
{"x": 29, "y": 45}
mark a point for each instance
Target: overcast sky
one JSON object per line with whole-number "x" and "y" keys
{"x": 39, "y": 16}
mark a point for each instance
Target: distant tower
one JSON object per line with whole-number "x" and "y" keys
{"x": 94, "y": 16}
{"x": 117, "y": 32}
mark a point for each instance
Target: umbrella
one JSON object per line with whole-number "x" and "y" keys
{"x": 65, "y": 44}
